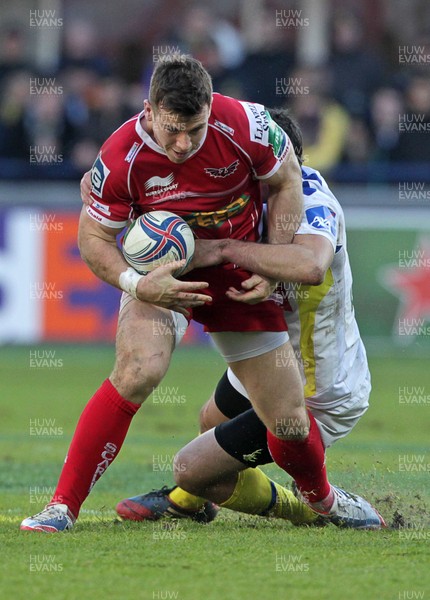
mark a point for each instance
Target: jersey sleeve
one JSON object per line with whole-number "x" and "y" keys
{"x": 111, "y": 201}
{"x": 264, "y": 140}
{"x": 319, "y": 218}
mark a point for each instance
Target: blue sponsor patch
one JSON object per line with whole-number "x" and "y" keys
{"x": 99, "y": 174}
{"x": 321, "y": 217}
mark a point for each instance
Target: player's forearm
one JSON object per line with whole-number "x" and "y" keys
{"x": 285, "y": 204}
{"x": 282, "y": 262}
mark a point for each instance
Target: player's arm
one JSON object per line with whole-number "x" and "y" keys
{"x": 285, "y": 201}
{"x": 97, "y": 244}
{"x": 305, "y": 261}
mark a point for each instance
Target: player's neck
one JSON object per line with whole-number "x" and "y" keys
{"x": 147, "y": 126}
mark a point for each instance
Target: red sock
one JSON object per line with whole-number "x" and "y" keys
{"x": 304, "y": 461}
{"x": 98, "y": 438}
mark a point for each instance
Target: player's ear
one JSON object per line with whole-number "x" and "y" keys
{"x": 148, "y": 110}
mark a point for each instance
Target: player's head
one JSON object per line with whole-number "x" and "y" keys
{"x": 178, "y": 109}
{"x": 291, "y": 128}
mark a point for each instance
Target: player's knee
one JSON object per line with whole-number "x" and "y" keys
{"x": 136, "y": 377}
{"x": 184, "y": 474}
{"x": 294, "y": 426}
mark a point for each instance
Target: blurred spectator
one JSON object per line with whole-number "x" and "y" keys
{"x": 385, "y": 108}
{"x": 348, "y": 113}
{"x": 107, "y": 110}
{"x": 271, "y": 59}
{"x": 47, "y": 123}
{"x": 323, "y": 122}
{"x": 358, "y": 145}
{"x": 357, "y": 71}
{"x": 200, "y": 24}
{"x": 81, "y": 48}
{"x": 12, "y": 53}
{"x": 414, "y": 123}
{"x": 14, "y": 136}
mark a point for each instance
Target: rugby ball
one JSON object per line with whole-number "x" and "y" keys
{"x": 155, "y": 239}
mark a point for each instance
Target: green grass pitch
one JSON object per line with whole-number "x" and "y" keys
{"x": 386, "y": 459}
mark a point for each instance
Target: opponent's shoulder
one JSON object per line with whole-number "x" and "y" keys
{"x": 317, "y": 191}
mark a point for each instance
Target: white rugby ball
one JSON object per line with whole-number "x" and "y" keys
{"x": 157, "y": 238}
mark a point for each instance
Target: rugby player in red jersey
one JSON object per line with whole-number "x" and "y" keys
{"x": 202, "y": 156}
{"x": 324, "y": 334}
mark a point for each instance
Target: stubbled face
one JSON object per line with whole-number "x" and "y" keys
{"x": 178, "y": 136}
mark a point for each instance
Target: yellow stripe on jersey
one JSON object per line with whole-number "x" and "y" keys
{"x": 308, "y": 298}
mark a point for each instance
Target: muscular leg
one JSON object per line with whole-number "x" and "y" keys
{"x": 276, "y": 392}
{"x": 275, "y": 389}
{"x": 142, "y": 358}
{"x": 204, "y": 468}
{"x": 210, "y": 415}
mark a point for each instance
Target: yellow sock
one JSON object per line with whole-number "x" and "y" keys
{"x": 252, "y": 494}
{"x": 256, "y": 494}
{"x": 186, "y": 500}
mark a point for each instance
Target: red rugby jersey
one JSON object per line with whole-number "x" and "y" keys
{"x": 216, "y": 190}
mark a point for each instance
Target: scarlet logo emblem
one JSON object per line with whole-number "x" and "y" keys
{"x": 107, "y": 456}
{"x": 223, "y": 171}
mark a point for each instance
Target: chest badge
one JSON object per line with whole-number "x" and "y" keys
{"x": 223, "y": 171}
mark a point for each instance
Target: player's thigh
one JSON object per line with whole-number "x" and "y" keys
{"x": 144, "y": 344}
{"x": 210, "y": 415}
{"x": 203, "y": 462}
{"x": 274, "y": 386}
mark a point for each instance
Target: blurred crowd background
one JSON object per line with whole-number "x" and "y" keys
{"x": 371, "y": 74}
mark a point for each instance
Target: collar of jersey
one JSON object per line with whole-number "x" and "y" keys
{"x": 152, "y": 144}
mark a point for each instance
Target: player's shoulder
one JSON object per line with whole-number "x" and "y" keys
{"x": 227, "y": 115}
{"x": 115, "y": 158}
{"x": 317, "y": 191}
{"x": 234, "y": 117}
{"x": 249, "y": 125}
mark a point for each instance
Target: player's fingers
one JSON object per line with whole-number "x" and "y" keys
{"x": 202, "y": 298}
{"x": 191, "y": 286}
{"x": 250, "y": 283}
{"x": 252, "y": 297}
{"x": 172, "y": 266}
{"x": 233, "y": 290}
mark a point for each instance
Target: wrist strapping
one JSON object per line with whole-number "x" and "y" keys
{"x": 128, "y": 281}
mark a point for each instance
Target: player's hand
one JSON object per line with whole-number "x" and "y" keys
{"x": 207, "y": 253}
{"x": 255, "y": 289}
{"x": 86, "y": 188}
{"x": 160, "y": 287}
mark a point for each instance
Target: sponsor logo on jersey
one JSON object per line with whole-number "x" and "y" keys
{"x": 132, "y": 152}
{"x": 217, "y": 218}
{"x": 224, "y": 127}
{"x": 223, "y": 171}
{"x": 99, "y": 174}
{"x": 278, "y": 139}
{"x": 101, "y": 207}
{"x": 321, "y": 217}
{"x": 258, "y": 119}
{"x": 94, "y": 215}
{"x": 162, "y": 185}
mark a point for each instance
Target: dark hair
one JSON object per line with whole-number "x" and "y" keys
{"x": 291, "y": 127}
{"x": 180, "y": 84}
